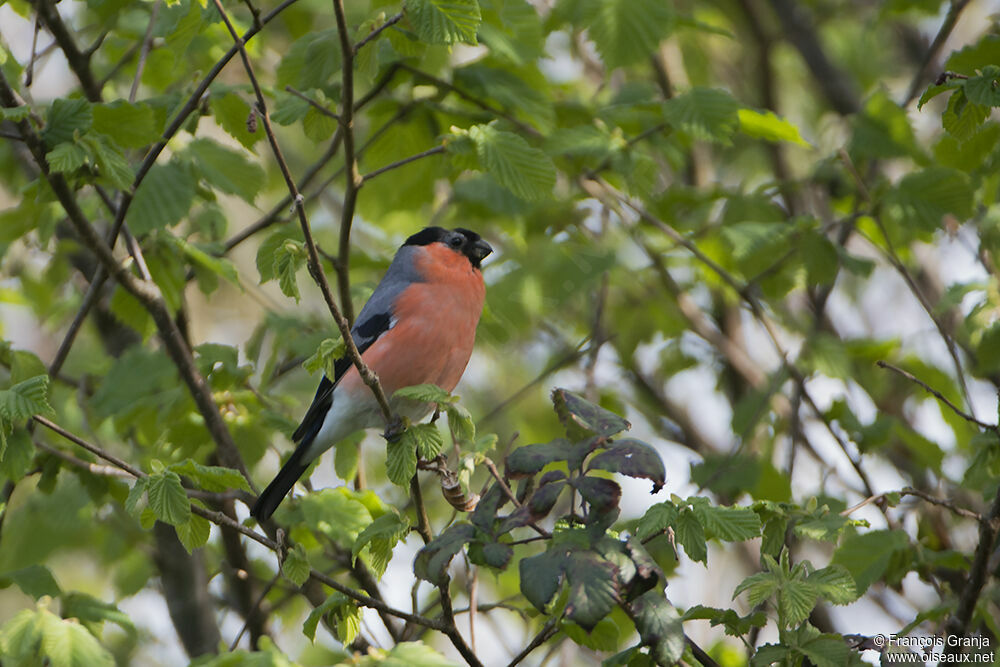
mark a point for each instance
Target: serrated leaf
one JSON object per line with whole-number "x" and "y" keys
{"x": 310, "y": 62}
{"x": 426, "y": 438}
{"x": 657, "y": 519}
{"x": 381, "y": 536}
{"x": 541, "y": 576}
{"x": 592, "y": 589}
{"x": 68, "y": 644}
{"x": 926, "y": 196}
{"x": 759, "y": 587}
{"x": 581, "y": 413}
{"x": 129, "y": 125}
{"x": 444, "y": 21}
{"x": 984, "y": 88}
{"x": 16, "y": 455}
{"x": 708, "y": 114}
{"x": 627, "y": 31}
{"x": 227, "y": 169}
{"x": 112, "y": 167}
{"x": 295, "y": 567}
{"x": 327, "y": 352}
{"x": 34, "y": 580}
{"x": 289, "y": 257}
{"x": 633, "y": 458}
{"x": 768, "y": 126}
{"x": 167, "y": 498}
{"x": 866, "y": 556}
{"x": 231, "y": 113}
{"x": 194, "y": 532}
{"x": 796, "y": 599}
{"x": 659, "y": 626}
{"x": 15, "y": 113}
{"x": 429, "y": 393}
{"x": 521, "y": 168}
{"x": 317, "y": 125}
{"x": 530, "y": 459}
{"x": 689, "y": 534}
{"x": 66, "y": 157}
{"x": 135, "y": 495}
{"x": 460, "y": 423}
{"x": 431, "y": 562}
{"x": 88, "y": 609}
{"x": 835, "y": 584}
{"x": 163, "y": 198}
{"x": 211, "y": 478}
{"x": 345, "y": 616}
{"x": 732, "y": 524}
{"x": 65, "y": 118}
{"x": 400, "y": 460}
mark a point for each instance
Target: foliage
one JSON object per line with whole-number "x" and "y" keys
{"x": 758, "y": 245}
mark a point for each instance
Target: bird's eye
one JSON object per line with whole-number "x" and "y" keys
{"x": 455, "y": 242}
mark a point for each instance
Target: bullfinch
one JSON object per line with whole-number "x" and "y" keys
{"x": 418, "y": 327}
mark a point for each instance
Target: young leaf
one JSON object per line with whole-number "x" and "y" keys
{"x": 429, "y": 393}
{"x": 732, "y": 524}
{"x": 444, "y": 21}
{"x": 926, "y": 196}
{"x": 426, "y": 438}
{"x": 129, "y": 125}
{"x": 328, "y": 351}
{"x": 289, "y": 257}
{"x": 34, "y": 580}
{"x": 211, "y": 478}
{"x": 400, "y": 460}
{"x": 708, "y": 114}
{"x": 70, "y": 644}
{"x": 521, "y": 168}
{"x": 194, "y": 533}
{"x": 65, "y": 118}
{"x": 835, "y": 584}
{"x": 460, "y": 423}
{"x": 66, "y": 157}
{"x": 381, "y": 535}
{"x": 227, "y": 169}
{"x": 231, "y": 113}
{"x": 627, "y": 31}
{"x": 296, "y": 565}
{"x": 766, "y": 125}
{"x": 167, "y": 498}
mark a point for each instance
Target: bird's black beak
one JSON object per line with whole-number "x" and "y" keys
{"x": 480, "y": 249}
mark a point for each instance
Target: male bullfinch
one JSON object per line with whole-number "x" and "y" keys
{"x": 418, "y": 327}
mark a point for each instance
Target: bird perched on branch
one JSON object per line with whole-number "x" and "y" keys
{"x": 418, "y": 327}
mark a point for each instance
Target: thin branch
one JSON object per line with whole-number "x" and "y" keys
{"x": 437, "y": 150}
{"x": 315, "y": 268}
{"x": 147, "y": 43}
{"x": 354, "y": 181}
{"x": 392, "y": 20}
{"x": 253, "y": 610}
{"x": 95, "y": 468}
{"x": 506, "y": 489}
{"x": 313, "y": 103}
{"x": 96, "y": 451}
{"x": 89, "y": 299}
{"x": 77, "y": 60}
{"x": 939, "y": 396}
{"x": 950, "y": 19}
{"x": 546, "y": 633}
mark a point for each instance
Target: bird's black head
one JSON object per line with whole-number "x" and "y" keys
{"x": 460, "y": 240}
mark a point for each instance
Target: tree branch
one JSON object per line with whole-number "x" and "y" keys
{"x": 353, "y": 183}
{"x": 392, "y": 20}
{"x": 437, "y": 150}
{"x": 950, "y": 19}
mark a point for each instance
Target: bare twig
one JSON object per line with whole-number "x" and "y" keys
{"x": 939, "y": 396}
{"x": 253, "y": 610}
{"x": 315, "y": 268}
{"x": 548, "y": 630}
{"x": 399, "y": 163}
{"x": 313, "y": 103}
{"x": 96, "y": 451}
{"x": 392, "y": 20}
{"x": 78, "y": 61}
{"x": 950, "y": 19}
{"x": 147, "y": 43}
{"x": 353, "y": 183}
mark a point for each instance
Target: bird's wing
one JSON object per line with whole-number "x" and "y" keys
{"x": 374, "y": 320}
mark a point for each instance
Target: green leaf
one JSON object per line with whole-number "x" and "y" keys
{"x": 659, "y": 626}
{"x": 530, "y": 459}
{"x": 627, "y": 31}
{"x": 708, "y": 114}
{"x": 689, "y": 534}
{"x": 401, "y": 460}
{"x": 796, "y": 599}
{"x": 15, "y": 114}
{"x": 310, "y": 63}
{"x": 295, "y": 567}
{"x": 429, "y": 393}
{"x": 835, "y": 584}
{"x": 65, "y": 118}
{"x": 66, "y": 157}
{"x": 432, "y": 560}
{"x": 766, "y": 125}
{"x": 866, "y": 556}
{"x": 962, "y": 119}
{"x": 592, "y": 590}
{"x": 163, "y": 198}
{"x": 328, "y": 351}
{"x": 89, "y": 610}
{"x": 135, "y": 496}
{"x": 541, "y": 576}
{"x": 576, "y": 411}
{"x": 344, "y": 615}
{"x": 211, "y": 478}
{"x": 926, "y": 196}
{"x": 521, "y": 168}
{"x": 381, "y": 536}
{"x": 167, "y": 498}
{"x": 633, "y": 458}
{"x": 17, "y": 455}
{"x": 26, "y": 398}
{"x": 657, "y": 519}
{"x": 68, "y": 644}
{"x": 289, "y": 257}
{"x": 415, "y": 654}
{"x": 425, "y": 438}
{"x": 112, "y": 167}
{"x": 129, "y": 125}
{"x": 226, "y": 169}
{"x": 759, "y": 587}
{"x": 460, "y": 424}
{"x": 231, "y": 113}
{"x": 444, "y": 21}
{"x": 34, "y": 580}
{"x": 732, "y": 524}
{"x": 984, "y": 89}
{"x": 194, "y": 533}
{"x": 317, "y": 125}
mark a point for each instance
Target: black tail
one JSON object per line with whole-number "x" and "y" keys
{"x": 276, "y": 491}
